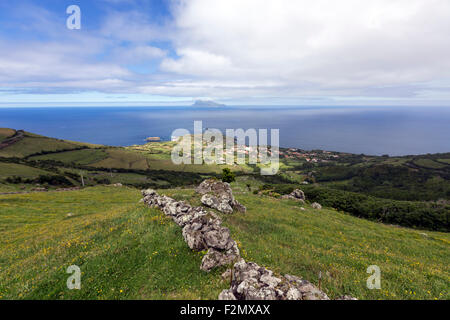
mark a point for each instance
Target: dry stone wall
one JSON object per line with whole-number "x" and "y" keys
{"x": 203, "y": 231}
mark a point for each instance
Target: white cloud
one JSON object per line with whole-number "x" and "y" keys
{"x": 197, "y": 62}
{"x": 252, "y": 50}
{"x": 136, "y": 54}
{"x": 50, "y": 62}
{"x": 343, "y": 47}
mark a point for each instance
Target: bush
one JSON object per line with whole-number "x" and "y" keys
{"x": 14, "y": 180}
{"x": 102, "y": 180}
{"x": 56, "y": 180}
{"x": 412, "y": 214}
{"x": 228, "y": 176}
{"x": 275, "y": 195}
{"x": 280, "y": 188}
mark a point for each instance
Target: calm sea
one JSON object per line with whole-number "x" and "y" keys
{"x": 376, "y": 131}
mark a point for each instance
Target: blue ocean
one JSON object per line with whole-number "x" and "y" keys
{"x": 368, "y": 130}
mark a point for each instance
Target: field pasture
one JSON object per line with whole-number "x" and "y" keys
{"x": 129, "y": 251}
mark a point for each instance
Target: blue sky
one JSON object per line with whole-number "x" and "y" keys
{"x": 145, "y": 52}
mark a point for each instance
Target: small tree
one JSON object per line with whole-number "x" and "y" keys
{"x": 228, "y": 176}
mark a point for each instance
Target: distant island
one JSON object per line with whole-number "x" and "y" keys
{"x": 207, "y": 103}
{"x": 153, "y": 139}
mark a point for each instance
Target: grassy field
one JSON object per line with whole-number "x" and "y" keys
{"x": 33, "y": 144}
{"x": 121, "y": 158}
{"x": 447, "y": 161}
{"x": 124, "y": 250}
{"x": 19, "y": 170}
{"x": 5, "y": 133}
{"x": 83, "y": 157}
{"x": 277, "y": 234}
{"x": 128, "y": 251}
{"x": 428, "y": 163}
{"x": 114, "y": 177}
{"x": 8, "y": 188}
{"x": 129, "y": 158}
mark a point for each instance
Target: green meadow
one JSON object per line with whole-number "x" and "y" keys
{"x": 124, "y": 250}
{"x": 128, "y": 251}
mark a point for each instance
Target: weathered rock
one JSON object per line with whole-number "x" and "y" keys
{"x": 226, "y": 275}
{"x": 218, "y": 195}
{"x": 212, "y": 201}
{"x": 306, "y": 288}
{"x": 238, "y": 206}
{"x": 170, "y": 209}
{"x": 216, "y": 187}
{"x": 183, "y": 207}
{"x": 297, "y": 195}
{"x": 269, "y": 280}
{"x": 184, "y": 218}
{"x": 252, "y": 282}
{"x": 224, "y": 207}
{"x": 194, "y": 238}
{"x": 227, "y": 295}
{"x": 293, "y": 294}
{"x": 148, "y": 192}
{"x": 214, "y": 258}
{"x": 209, "y": 200}
{"x": 218, "y": 238}
{"x": 316, "y": 205}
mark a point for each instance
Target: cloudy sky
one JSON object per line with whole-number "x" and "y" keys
{"x": 238, "y": 52}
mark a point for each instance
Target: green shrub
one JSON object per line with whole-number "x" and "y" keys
{"x": 56, "y": 180}
{"x": 102, "y": 180}
{"x": 413, "y": 214}
{"x": 280, "y": 188}
{"x": 275, "y": 195}
{"x": 228, "y": 176}
{"x": 14, "y": 180}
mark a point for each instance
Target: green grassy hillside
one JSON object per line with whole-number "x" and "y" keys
{"x": 125, "y": 250}
{"x": 5, "y": 133}
{"x": 83, "y": 157}
{"x": 33, "y": 143}
{"x": 19, "y": 170}
{"x": 128, "y": 251}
